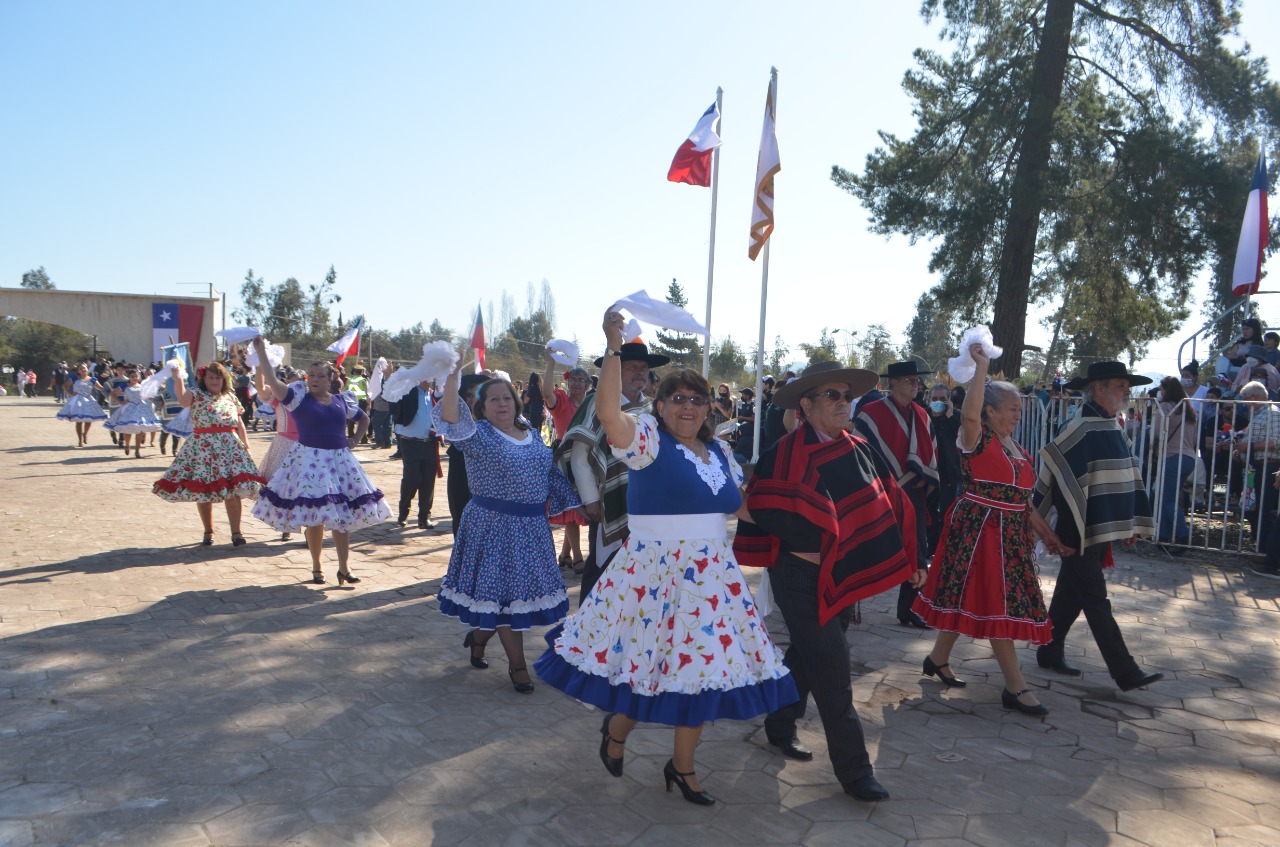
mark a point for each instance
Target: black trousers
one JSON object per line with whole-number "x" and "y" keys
{"x": 456, "y": 486}
{"x": 590, "y": 569}
{"x": 418, "y": 478}
{"x": 818, "y": 659}
{"x": 1081, "y": 587}
{"x": 907, "y": 593}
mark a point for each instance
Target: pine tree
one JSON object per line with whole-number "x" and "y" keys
{"x": 684, "y": 349}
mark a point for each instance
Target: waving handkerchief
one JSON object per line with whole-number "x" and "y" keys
{"x": 375, "y": 381}
{"x": 659, "y": 313}
{"x": 275, "y": 355}
{"x": 154, "y": 384}
{"x": 239, "y": 334}
{"x": 437, "y": 362}
{"x": 963, "y": 367}
{"x": 563, "y": 352}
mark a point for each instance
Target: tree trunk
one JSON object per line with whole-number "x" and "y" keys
{"x": 1018, "y": 251}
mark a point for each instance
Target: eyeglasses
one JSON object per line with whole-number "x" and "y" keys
{"x": 834, "y": 396}
{"x": 697, "y": 400}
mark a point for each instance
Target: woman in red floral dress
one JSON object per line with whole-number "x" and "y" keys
{"x": 214, "y": 465}
{"x": 983, "y": 582}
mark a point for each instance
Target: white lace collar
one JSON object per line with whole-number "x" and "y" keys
{"x": 712, "y": 474}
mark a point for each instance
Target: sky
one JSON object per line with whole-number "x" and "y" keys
{"x": 438, "y": 154}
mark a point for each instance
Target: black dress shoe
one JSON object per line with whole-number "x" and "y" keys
{"x": 912, "y": 619}
{"x": 1010, "y": 700}
{"x": 792, "y": 748}
{"x": 1049, "y": 661}
{"x": 866, "y": 789}
{"x": 1142, "y": 680}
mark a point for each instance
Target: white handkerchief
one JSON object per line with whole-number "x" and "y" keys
{"x": 963, "y": 367}
{"x": 275, "y": 355}
{"x": 659, "y": 313}
{"x": 563, "y": 352}
{"x": 239, "y": 334}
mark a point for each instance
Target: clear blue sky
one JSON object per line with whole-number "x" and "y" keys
{"x": 437, "y": 154}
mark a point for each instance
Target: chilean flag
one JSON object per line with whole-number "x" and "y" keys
{"x": 477, "y": 339}
{"x": 692, "y": 163}
{"x": 347, "y": 345}
{"x": 1253, "y": 235}
{"x": 171, "y": 324}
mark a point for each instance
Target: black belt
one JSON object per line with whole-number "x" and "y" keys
{"x": 413, "y": 438}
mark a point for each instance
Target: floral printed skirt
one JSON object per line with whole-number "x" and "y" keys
{"x": 211, "y": 467}
{"x": 315, "y": 487}
{"x": 983, "y": 581}
{"x": 669, "y": 635}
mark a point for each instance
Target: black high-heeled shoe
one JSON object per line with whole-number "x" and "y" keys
{"x": 612, "y": 765}
{"x": 930, "y": 669}
{"x": 238, "y": 540}
{"x": 208, "y": 539}
{"x": 673, "y": 776}
{"x": 345, "y": 576}
{"x": 522, "y": 687}
{"x": 317, "y": 578}
{"x": 1010, "y": 701}
{"x": 471, "y": 644}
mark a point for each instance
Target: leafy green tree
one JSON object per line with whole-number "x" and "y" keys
{"x": 683, "y": 348}
{"x": 874, "y": 348}
{"x": 728, "y": 362}
{"x": 320, "y": 298}
{"x": 286, "y": 319}
{"x": 823, "y": 351}
{"x": 1074, "y": 145}
{"x": 931, "y": 335}
{"x": 37, "y": 279}
{"x": 254, "y": 301}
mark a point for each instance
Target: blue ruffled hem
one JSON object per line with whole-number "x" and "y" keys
{"x": 519, "y": 621}
{"x": 671, "y": 708}
{"x": 79, "y": 417}
{"x": 337, "y": 499}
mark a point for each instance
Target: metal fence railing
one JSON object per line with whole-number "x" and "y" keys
{"x": 1223, "y": 488}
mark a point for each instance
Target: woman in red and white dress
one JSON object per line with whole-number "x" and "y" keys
{"x": 983, "y": 582}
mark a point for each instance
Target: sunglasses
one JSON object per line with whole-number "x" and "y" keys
{"x": 697, "y": 400}
{"x": 834, "y": 396}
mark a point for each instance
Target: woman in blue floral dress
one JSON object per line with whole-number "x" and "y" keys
{"x": 503, "y": 576}
{"x": 669, "y": 634}
{"x": 81, "y": 408}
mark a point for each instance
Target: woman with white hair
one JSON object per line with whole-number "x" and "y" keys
{"x": 1260, "y": 447}
{"x": 983, "y": 581}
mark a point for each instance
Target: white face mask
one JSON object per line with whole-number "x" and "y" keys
{"x": 1253, "y": 363}
{"x": 1159, "y": 396}
{"x": 1188, "y": 383}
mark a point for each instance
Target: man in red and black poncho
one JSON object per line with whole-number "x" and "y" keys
{"x": 898, "y": 428}
{"x": 830, "y": 521}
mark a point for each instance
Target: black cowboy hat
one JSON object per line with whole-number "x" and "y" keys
{"x": 859, "y": 380}
{"x": 900, "y": 369}
{"x": 635, "y": 351}
{"x": 1107, "y": 370}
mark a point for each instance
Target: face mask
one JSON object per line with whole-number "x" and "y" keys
{"x": 937, "y": 407}
{"x": 1188, "y": 383}
{"x": 1159, "y": 396}
{"x": 1253, "y": 363}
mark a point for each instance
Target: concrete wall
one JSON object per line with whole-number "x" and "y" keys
{"x": 122, "y": 322}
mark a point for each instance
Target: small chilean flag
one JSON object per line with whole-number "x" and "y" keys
{"x": 692, "y": 163}
{"x": 347, "y": 345}
{"x": 1253, "y": 235}
{"x": 477, "y": 339}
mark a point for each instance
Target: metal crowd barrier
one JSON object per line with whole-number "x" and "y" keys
{"x": 1228, "y": 499}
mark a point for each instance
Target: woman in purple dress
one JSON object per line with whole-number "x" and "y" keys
{"x": 320, "y": 484}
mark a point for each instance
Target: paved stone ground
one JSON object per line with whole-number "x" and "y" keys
{"x": 155, "y": 692}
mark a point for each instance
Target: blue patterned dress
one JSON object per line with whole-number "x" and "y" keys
{"x": 135, "y": 416}
{"x": 82, "y": 406}
{"x": 503, "y": 569}
{"x": 669, "y": 634}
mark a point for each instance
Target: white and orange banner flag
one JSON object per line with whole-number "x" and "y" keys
{"x": 767, "y": 165}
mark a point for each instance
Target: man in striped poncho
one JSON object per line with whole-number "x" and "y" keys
{"x": 1089, "y": 475}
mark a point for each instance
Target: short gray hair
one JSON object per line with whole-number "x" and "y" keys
{"x": 1254, "y": 387}
{"x": 997, "y": 393}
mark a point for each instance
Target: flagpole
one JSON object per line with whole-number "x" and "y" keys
{"x": 711, "y": 250}
{"x": 764, "y": 299}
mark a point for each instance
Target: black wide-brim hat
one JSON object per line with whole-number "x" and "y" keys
{"x": 1107, "y": 370}
{"x": 859, "y": 380}
{"x": 635, "y": 351}
{"x": 901, "y": 369}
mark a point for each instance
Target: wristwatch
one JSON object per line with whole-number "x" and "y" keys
{"x": 609, "y": 351}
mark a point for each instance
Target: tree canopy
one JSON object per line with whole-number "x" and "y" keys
{"x": 1093, "y": 155}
